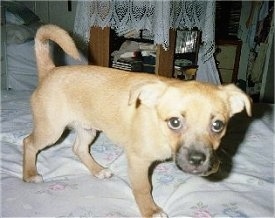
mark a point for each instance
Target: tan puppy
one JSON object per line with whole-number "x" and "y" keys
{"x": 154, "y": 118}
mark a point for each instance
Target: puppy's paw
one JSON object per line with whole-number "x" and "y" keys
{"x": 34, "y": 179}
{"x": 160, "y": 214}
{"x": 105, "y": 173}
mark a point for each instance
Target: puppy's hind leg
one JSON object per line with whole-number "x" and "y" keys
{"x": 30, "y": 173}
{"x": 41, "y": 137}
{"x": 83, "y": 140}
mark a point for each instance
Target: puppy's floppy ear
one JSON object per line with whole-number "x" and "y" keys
{"x": 238, "y": 100}
{"x": 147, "y": 93}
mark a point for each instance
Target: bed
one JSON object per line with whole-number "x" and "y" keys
{"x": 243, "y": 187}
{"x": 20, "y": 27}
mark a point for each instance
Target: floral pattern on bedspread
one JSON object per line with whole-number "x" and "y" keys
{"x": 242, "y": 188}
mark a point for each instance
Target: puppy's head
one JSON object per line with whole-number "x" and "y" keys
{"x": 193, "y": 117}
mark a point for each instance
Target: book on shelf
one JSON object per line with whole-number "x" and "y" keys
{"x": 128, "y": 64}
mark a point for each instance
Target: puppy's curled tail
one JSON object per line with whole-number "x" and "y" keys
{"x": 42, "y": 48}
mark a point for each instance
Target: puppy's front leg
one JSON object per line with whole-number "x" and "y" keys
{"x": 138, "y": 173}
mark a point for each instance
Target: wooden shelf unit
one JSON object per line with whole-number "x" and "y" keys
{"x": 103, "y": 43}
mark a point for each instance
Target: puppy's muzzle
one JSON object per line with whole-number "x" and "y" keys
{"x": 196, "y": 158}
{"x": 201, "y": 161}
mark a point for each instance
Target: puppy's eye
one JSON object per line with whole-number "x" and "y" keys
{"x": 217, "y": 126}
{"x": 174, "y": 123}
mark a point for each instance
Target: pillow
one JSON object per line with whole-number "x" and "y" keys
{"x": 12, "y": 19}
{"x": 23, "y": 14}
{"x": 18, "y": 33}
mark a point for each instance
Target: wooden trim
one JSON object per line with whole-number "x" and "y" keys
{"x": 99, "y": 46}
{"x": 165, "y": 58}
{"x": 238, "y": 44}
{"x": 237, "y": 61}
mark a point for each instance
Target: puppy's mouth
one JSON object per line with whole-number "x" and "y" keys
{"x": 201, "y": 162}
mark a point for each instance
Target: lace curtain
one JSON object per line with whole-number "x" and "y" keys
{"x": 156, "y": 17}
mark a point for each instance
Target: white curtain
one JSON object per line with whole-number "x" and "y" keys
{"x": 157, "y": 17}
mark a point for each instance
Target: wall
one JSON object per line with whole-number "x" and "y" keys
{"x": 3, "y": 51}
{"x": 55, "y": 12}
{"x": 267, "y": 91}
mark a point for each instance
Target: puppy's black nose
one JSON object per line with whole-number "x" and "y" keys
{"x": 196, "y": 158}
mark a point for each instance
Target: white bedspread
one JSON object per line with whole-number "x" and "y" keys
{"x": 243, "y": 187}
